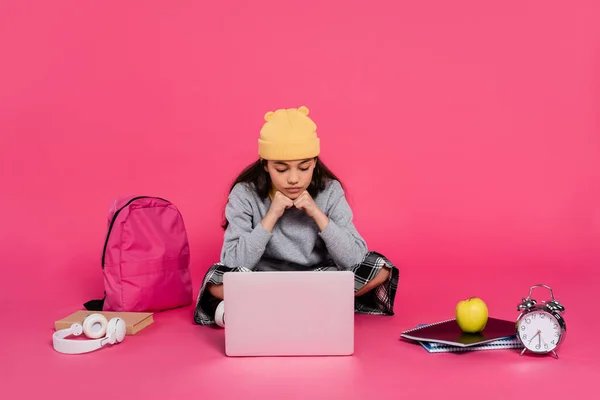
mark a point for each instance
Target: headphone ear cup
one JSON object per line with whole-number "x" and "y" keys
{"x": 116, "y": 330}
{"x": 94, "y": 326}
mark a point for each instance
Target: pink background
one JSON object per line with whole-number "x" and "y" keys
{"x": 467, "y": 134}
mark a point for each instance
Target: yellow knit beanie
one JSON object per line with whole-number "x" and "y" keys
{"x": 288, "y": 134}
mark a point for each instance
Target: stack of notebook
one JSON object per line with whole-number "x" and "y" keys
{"x": 446, "y": 336}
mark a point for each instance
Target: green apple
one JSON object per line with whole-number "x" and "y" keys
{"x": 472, "y": 315}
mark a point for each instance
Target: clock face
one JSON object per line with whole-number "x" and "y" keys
{"x": 539, "y": 331}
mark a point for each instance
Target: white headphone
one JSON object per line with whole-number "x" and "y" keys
{"x": 94, "y": 326}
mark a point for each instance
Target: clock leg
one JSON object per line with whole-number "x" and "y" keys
{"x": 555, "y": 355}
{"x": 523, "y": 351}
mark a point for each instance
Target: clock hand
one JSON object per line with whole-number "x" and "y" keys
{"x": 533, "y": 337}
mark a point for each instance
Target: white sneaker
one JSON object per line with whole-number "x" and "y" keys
{"x": 220, "y": 314}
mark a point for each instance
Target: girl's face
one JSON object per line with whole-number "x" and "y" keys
{"x": 291, "y": 178}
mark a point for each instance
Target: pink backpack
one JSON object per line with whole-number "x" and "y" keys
{"x": 146, "y": 257}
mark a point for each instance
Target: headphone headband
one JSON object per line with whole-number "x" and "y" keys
{"x": 115, "y": 333}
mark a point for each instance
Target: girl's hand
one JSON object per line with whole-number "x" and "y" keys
{"x": 305, "y": 202}
{"x": 279, "y": 204}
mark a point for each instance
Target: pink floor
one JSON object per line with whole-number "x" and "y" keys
{"x": 467, "y": 133}
{"x": 174, "y": 358}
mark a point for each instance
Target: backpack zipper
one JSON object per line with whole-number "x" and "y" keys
{"x": 114, "y": 218}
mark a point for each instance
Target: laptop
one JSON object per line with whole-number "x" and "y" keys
{"x": 289, "y": 313}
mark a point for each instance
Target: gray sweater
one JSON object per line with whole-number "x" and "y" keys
{"x": 295, "y": 242}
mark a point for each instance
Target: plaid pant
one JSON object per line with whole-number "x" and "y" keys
{"x": 379, "y": 301}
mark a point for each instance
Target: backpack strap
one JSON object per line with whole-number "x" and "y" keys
{"x": 95, "y": 305}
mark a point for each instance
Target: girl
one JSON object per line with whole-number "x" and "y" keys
{"x": 287, "y": 211}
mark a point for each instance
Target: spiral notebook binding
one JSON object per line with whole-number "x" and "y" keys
{"x": 500, "y": 344}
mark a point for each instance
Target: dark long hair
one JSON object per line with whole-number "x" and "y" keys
{"x": 255, "y": 173}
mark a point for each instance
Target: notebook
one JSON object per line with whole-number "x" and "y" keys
{"x": 448, "y": 332}
{"x": 505, "y": 343}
